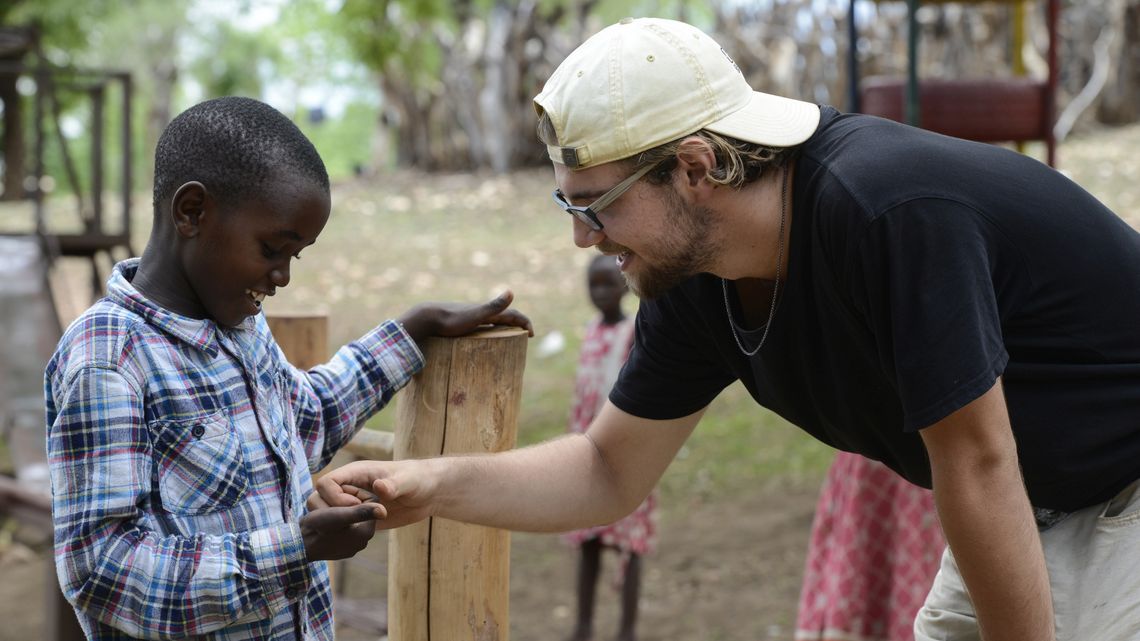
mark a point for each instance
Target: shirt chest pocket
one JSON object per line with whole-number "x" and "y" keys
{"x": 201, "y": 467}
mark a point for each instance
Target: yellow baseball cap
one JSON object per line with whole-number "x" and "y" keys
{"x": 646, "y": 81}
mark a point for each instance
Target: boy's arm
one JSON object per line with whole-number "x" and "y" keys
{"x": 113, "y": 563}
{"x": 331, "y": 401}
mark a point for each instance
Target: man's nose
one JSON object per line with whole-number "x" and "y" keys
{"x": 584, "y": 235}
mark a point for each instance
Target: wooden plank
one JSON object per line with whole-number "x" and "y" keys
{"x": 375, "y": 445}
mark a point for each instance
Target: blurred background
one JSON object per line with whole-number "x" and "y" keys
{"x": 447, "y": 85}
{"x": 422, "y": 112}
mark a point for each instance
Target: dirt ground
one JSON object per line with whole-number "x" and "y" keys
{"x": 725, "y": 570}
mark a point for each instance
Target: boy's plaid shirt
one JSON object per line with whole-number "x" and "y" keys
{"x": 180, "y": 458}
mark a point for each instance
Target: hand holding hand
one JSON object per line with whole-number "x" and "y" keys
{"x": 457, "y": 319}
{"x": 339, "y": 532}
{"x": 398, "y": 487}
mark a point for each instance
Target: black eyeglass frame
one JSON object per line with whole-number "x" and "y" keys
{"x": 589, "y": 214}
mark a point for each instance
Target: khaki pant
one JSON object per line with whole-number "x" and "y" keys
{"x": 1093, "y": 557}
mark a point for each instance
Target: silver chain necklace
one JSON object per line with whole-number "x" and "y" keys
{"x": 775, "y": 288}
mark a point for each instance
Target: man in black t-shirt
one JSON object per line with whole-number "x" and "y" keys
{"x": 958, "y": 311}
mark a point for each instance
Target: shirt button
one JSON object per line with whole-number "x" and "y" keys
{"x": 292, "y": 593}
{"x": 198, "y": 431}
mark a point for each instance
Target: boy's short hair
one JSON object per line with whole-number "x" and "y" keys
{"x": 234, "y": 146}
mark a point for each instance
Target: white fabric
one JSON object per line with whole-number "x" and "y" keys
{"x": 1094, "y": 571}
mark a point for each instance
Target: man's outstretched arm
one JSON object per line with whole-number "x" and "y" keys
{"x": 562, "y": 484}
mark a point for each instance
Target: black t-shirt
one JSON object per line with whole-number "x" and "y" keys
{"x": 921, "y": 268}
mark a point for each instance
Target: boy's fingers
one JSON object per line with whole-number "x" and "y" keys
{"x": 339, "y": 517}
{"x": 502, "y": 301}
{"x": 517, "y": 319}
{"x": 368, "y": 512}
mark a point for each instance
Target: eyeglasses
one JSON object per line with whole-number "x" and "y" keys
{"x": 589, "y": 213}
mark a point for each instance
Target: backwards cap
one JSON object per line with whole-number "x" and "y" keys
{"x": 646, "y": 81}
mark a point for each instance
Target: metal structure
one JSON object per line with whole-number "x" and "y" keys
{"x": 1014, "y": 109}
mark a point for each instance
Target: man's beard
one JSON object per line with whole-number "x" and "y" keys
{"x": 686, "y": 250}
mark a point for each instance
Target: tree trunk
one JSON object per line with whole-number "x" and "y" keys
{"x": 496, "y": 94}
{"x": 163, "y": 76}
{"x": 1120, "y": 101}
{"x": 462, "y": 92}
{"x": 14, "y": 154}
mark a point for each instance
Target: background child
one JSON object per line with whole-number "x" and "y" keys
{"x": 876, "y": 545}
{"x": 180, "y": 440}
{"x": 604, "y": 350}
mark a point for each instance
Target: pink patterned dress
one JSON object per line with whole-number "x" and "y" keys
{"x": 604, "y": 350}
{"x": 875, "y": 547}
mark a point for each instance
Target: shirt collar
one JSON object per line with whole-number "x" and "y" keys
{"x": 201, "y": 333}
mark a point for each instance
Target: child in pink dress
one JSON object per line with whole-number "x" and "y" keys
{"x": 604, "y": 350}
{"x": 875, "y": 547}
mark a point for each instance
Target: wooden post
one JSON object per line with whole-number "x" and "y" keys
{"x": 303, "y": 337}
{"x": 449, "y": 580}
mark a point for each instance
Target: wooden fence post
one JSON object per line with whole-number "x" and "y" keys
{"x": 303, "y": 337}
{"x": 449, "y": 580}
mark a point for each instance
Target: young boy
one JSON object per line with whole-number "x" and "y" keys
{"x": 180, "y": 441}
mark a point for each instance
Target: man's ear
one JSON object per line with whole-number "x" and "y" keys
{"x": 695, "y": 159}
{"x": 187, "y": 207}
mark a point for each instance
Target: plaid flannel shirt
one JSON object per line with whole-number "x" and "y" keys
{"x": 181, "y": 456}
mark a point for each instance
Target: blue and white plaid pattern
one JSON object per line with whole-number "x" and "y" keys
{"x": 181, "y": 456}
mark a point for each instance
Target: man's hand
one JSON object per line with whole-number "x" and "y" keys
{"x": 397, "y": 488}
{"x": 457, "y": 319}
{"x": 339, "y": 532}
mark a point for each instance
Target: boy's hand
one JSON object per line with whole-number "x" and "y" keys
{"x": 339, "y": 532}
{"x": 457, "y": 319}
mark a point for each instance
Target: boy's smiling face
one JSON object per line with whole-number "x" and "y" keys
{"x": 233, "y": 256}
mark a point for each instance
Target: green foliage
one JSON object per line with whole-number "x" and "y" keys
{"x": 309, "y": 37}
{"x": 62, "y": 23}
{"x": 345, "y": 142}
{"x": 236, "y": 63}
{"x": 392, "y": 34}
